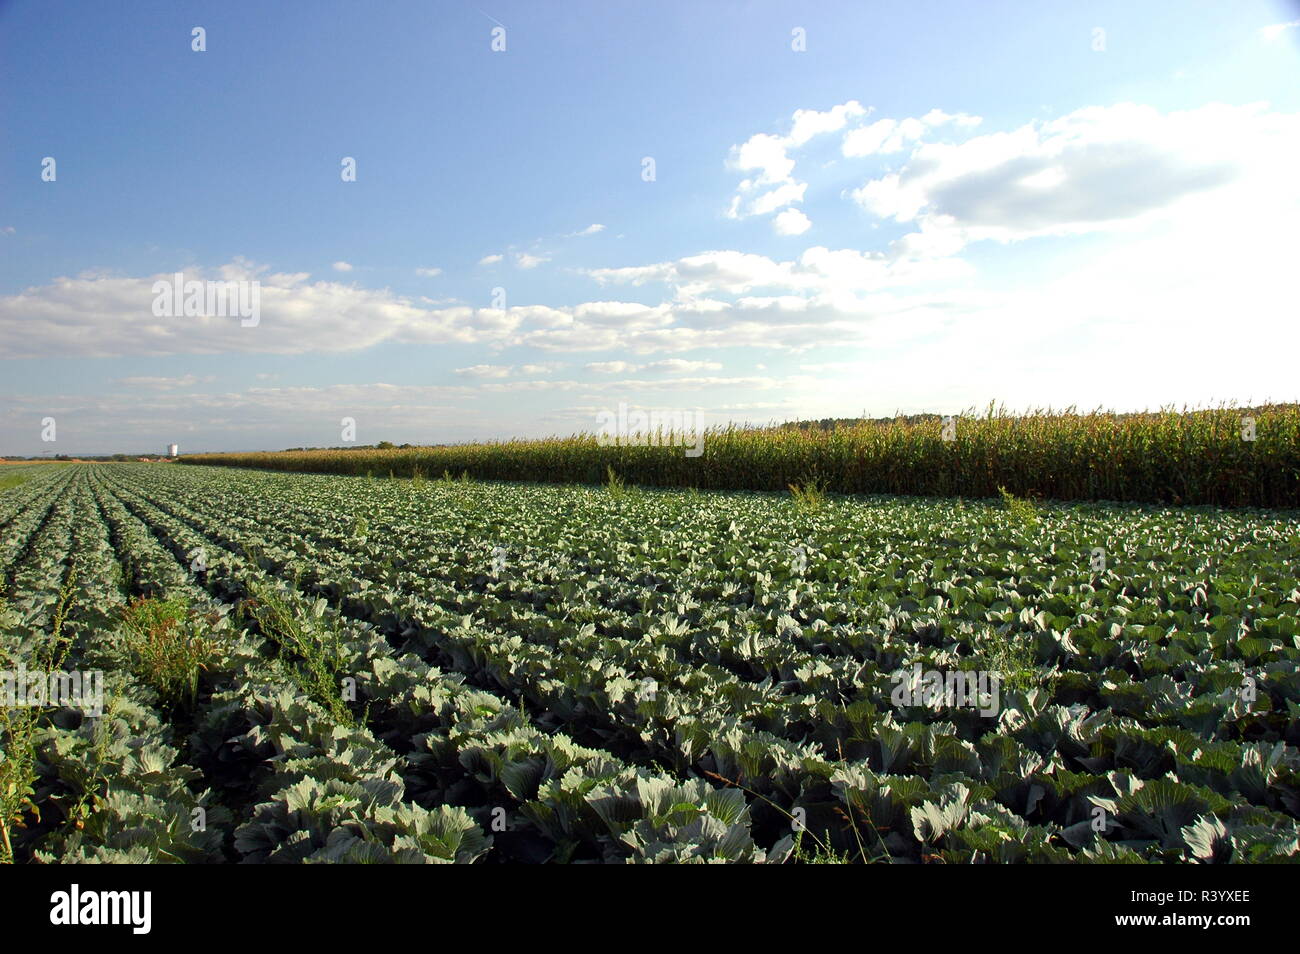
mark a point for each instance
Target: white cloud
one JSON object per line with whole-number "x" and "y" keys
{"x": 633, "y": 274}
{"x": 524, "y": 260}
{"x": 490, "y": 259}
{"x": 791, "y": 222}
{"x": 633, "y": 384}
{"x": 818, "y": 271}
{"x": 428, "y": 272}
{"x": 99, "y": 315}
{"x": 777, "y": 198}
{"x": 888, "y": 136}
{"x": 1171, "y": 315}
{"x": 808, "y": 123}
{"x": 667, "y": 366}
{"x": 1165, "y": 292}
{"x": 341, "y": 267}
{"x": 1098, "y": 168}
{"x": 883, "y": 136}
{"x": 1275, "y": 30}
{"x": 825, "y": 366}
{"x": 774, "y": 187}
{"x": 725, "y": 270}
{"x": 610, "y": 367}
{"x": 589, "y": 230}
{"x": 164, "y": 383}
{"x": 680, "y": 366}
{"x": 937, "y": 117}
{"x": 485, "y": 371}
{"x": 1169, "y": 187}
{"x": 1219, "y": 316}
{"x": 765, "y": 154}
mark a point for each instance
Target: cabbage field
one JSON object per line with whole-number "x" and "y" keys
{"x": 329, "y": 668}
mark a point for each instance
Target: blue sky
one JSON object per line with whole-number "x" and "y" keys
{"x": 930, "y": 206}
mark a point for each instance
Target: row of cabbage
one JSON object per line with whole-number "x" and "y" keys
{"x": 263, "y": 768}
{"x": 739, "y": 657}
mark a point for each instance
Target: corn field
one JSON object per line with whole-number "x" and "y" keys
{"x": 1224, "y": 456}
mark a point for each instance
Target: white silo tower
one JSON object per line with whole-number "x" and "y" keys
{"x": 173, "y": 450}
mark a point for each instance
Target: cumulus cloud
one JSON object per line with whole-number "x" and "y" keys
{"x": 100, "y": 315}
{"x": 485, "y": 371}
{"x": 634, "y": 384}
{"x": 1096, "y": 168}
{"x": 937, "y": 117}
{"x": 807, "y": 123}
{"x": 791, "y": 222}
{"x": 589, "y": 230}
{"x": 784, "y": 322}
{"x": 771, "y": 185}
{"x": 723, "y": 270}
{"x": 428, "y": 272}
{"x": 97, "y": 315}
{"x": 164, "y": 383}
{"x": 777, "y": 198}
{"x": 341, "y": 267}
{"x": 1118, "y": 328}
{"x": 765, "y": 154}
{"x": 1275, "y": 30}
{"x": 524, "y": 260}
{"x": 1213, "y": 172}
{"x": 882, "y": 136}
{"x": 818, "y": 270}
{"x": 667, "y": 366}
{"x": 681, "y": 366}
{"x": 610, "y": 367}
{"x": 887, "y": 136}
{"x": 490, "y": 371}
{"x": 490, "y": 259}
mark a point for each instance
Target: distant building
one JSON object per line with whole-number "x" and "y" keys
{"x": 173, "y": 450}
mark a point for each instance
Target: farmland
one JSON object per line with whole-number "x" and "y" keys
{"x": 327, "y": 668}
